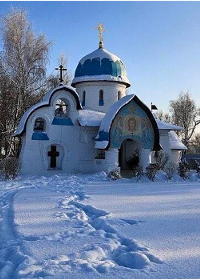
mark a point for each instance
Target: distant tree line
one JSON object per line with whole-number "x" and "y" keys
{"x": 24, "y": 57}
{"x": 185, "y": 113}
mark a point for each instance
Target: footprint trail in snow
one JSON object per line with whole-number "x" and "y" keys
{"x": 49, "y": 231}
{"x": 111, "y": 248}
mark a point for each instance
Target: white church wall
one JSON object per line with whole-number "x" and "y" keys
{"x": 109, "y": 163}
{"x": 34, "y": 155}
{"x": 110, "y": 90}
{"x": 111, "y": 159}
{"x": 145, "y": 158}
{"x": 175, "y": 157}
{"x": 87, "y": 152}
{"x": 165, "y": 143}
{"x": 74, "y": 143}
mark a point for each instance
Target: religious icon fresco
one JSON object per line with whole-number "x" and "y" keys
{"x": 132, "y": 122}
{"x": 146, "y": 129}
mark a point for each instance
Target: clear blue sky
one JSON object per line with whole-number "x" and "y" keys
{"x": 158, "y": 41}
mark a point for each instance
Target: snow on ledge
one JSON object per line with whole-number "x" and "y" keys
{"x": 121, "y": 79}
{"x": 89, "y": 117}
{"x": 167, "y": 126}
{"x": 175, "y": 142}
{"x": 101, "y": 144}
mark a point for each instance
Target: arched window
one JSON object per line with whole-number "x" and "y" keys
{"x": 39, "y": 125}
{"x": 62, "y": 108}
{"x": 119, "y": 95}
{"x": 83, "y": 99}
{"x": 101, "y": 100}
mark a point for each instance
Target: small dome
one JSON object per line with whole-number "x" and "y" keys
{"x": 101, "y": 65}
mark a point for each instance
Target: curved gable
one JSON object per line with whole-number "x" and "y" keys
{"x": 128, "y": 118}
{"x": 45, "y": 103}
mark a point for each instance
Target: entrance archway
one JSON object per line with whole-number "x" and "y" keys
{"x": 129, "y": 155}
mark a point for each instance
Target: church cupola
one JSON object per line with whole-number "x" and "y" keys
{"x": 99, "y": 77}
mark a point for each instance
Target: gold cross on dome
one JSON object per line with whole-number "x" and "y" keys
{"x": 101, "y": 29}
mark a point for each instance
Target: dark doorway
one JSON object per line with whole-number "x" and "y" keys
{"x": 128, "y": 155}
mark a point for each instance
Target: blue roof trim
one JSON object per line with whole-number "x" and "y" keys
{"x": 62, "y": 121}
{"x": 103, "y": 136}
{"x": 40, "y": 136}
{"x": 100, "y": 67}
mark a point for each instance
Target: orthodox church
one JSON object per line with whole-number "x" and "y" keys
{"x": 93, "y": 125}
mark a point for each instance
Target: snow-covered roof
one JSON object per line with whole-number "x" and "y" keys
{"x": 101, "y": 65}
{"x": 89, "y": 117}
{"x": 102, "y": 139}
{"x": 100, "y": 53}
{"x": 175, "y": 142}
{"x": 45, "y": 102}
{"x": 167, "y": 126}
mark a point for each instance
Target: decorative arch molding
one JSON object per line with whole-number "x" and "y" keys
{"x": 65, "y": 97}
{"x": 133, "y": 139}
{"x": 105, "y": 137}
{"x": 46, "y": 102}
{"x": 39, "y": 115}
{"x": 40, "y": 135}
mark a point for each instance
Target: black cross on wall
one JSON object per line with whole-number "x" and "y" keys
{"x": 53, "y": 154}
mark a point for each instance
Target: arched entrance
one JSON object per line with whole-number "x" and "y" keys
{"x": 129, "y": 155}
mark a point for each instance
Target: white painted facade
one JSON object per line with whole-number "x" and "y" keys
{"x": 112, "y": 92}
{"x": 75, "y": 144}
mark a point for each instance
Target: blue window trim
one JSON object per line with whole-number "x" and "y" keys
{"x": 62, "y": 121}
{"x": 101, "y": 103}
{"x": 39, "y": 135}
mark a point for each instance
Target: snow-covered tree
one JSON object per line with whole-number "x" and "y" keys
{"x": 23, "y": 62}
{"x": 185, "y": 113}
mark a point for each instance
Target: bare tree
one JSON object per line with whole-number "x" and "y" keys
{"x": 195, "y": 144}
{"x": 164, "y": 116}
{"x": 23, "y": 63}
{"x": 186, "y": 114}
{"x": 53, "y": 79}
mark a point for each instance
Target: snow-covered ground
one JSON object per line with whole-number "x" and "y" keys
{"x": 87, "y": 226}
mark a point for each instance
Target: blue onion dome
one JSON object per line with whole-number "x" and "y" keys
{"x": 101, "y": 65}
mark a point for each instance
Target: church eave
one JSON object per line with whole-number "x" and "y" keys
{"x": 76, "y": 82}
{"x": 156, "y": 146}
{"x": 44, "y": 103}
